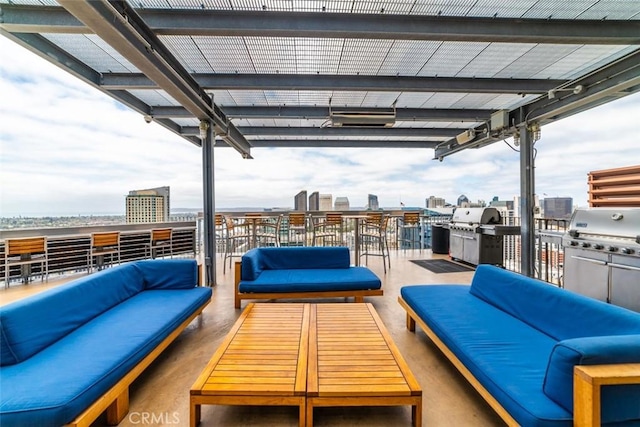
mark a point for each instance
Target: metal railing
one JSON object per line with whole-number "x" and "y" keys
{"x": 68, "y": 247}
{"x": 549, "y": 253}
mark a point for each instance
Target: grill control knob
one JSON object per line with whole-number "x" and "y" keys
{"x": 626, "y": 251}
{"x": 573, "y": 243}
{"x": 585, "y": 244}
{"x": 598, "y": 246}
{"x": 612, "y": 249}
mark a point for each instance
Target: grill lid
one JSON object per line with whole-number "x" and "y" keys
{"x": 476, "y": 216}
{"x": 606, "y": 222}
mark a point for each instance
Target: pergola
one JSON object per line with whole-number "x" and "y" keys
{"x": 447, "y": 75}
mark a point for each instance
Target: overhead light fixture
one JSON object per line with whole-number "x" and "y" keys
{"x": 576, "y": 91}
{"x": 466, "y": 136}
{"x": 384, "y": 118}
{"x": 380, "y": 117}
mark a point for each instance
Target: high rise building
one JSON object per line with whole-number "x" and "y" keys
{"x": 557, "y": 207}
{"x": 300, "y": 201}
{"x": 517, "y": 207}
{"x": 372, "y": 202}
{"x": 151, "y": 205}
{"x": 326, "y": 202}
{"x": 435, "y": 202}
{"x": 463, "y": 201}
{"x": 314, "y": 201}
{"x": 342, "y": 204}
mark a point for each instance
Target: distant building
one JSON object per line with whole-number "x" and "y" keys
{"x": 435, "y": 202}
{"x": 314, "y": 201}
{"x": 146, "y": 206}
{"x": 326, "y": 202}
{"x": 557, "y": 207}
{"x": 536, "y": 207}
{"x": 463, "y": 201}
{"x": 342, "y": 204}
{"x": 502, "y": 205}
{"x": 372, "y": 202}
{"x": 300, "y": 201}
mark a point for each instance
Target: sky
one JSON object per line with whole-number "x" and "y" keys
{"x": 68, "y": 149}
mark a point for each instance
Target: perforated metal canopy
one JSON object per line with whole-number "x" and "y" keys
{"x": 285, "y": 73}
{"x": 442, "y": 74}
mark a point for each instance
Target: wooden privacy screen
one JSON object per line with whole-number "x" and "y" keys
{"x": 618, "y": 187}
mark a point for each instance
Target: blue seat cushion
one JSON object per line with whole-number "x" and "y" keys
{"x": 32, "y": 324}
{"x": 57, "y": 384}
{"x": 311, "y": 257}
{"x": 312, "y": 280}
{"x": 559, "y": 313}
{"x": 507, "y": 356}
{"x": 168, "y": 273}
{"x": 621, "y": 403}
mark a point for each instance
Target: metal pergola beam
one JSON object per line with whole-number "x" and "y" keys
{"x": 203, "y": 22}
{"x": 402, "y": 114}
{"x": 337, "y": 143}
{"x": 338, "y": 82}
{"x": 52, "y": 53}
{"x": 306, "y": 112}
{"x": 122, "y": 28}
{"x": 619, "y": 78}
{"x": 329, "y": 132}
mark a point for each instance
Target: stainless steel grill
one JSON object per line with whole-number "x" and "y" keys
{"x": 476, "y": 235}
{"x": 602, "y": 255}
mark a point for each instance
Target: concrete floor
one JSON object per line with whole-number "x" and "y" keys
{"x": 160, "y": 396}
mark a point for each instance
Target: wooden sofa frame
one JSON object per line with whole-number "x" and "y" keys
{"x": 116, "y": 400}
{"x": 587, "y": 380}
{"x": 358, "y": 295}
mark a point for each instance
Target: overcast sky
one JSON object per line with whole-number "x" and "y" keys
{"x": 68, "y": 149}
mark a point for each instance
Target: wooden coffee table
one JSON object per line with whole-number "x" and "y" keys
{"x": 262, "y": 361}
{"x": 354, "y": 362}
{"x": 307, "y": 355}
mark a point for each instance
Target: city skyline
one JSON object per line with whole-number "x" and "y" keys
{"x": 67, "y": 149}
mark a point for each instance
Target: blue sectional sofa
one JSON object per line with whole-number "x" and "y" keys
{"x": 70, "y": 353}
{"x": 519, "y": 340}
{"x": 302, "y": 272}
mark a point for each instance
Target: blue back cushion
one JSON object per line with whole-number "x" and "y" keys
{"x": 168, "y": 273}
{"x": 34, "y": 323}
{"x": 256, "y": 260}
{"x": 557, "y": 312}
{"x": 621, "y": 403}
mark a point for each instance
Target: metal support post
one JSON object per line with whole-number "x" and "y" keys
{"x": 527, "y": 190}
{"x": 208, "y": 186}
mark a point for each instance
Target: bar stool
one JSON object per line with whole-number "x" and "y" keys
{"x": 221, "y": 228}
{"x": 161, "y": 238}
{"x": 329, "y": 230}
{"x": 409, "y": 230}
{"x": 238, "y": 236}
{"x": 297, "y": 229}
{"x": 107, "y": 243}
{"x": 373, "y": 238}
{"x": 25, "y": 252}
{"x": 268, "y": 231}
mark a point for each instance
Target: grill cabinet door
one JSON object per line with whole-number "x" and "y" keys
{"x": 586, "y": 272}
{"x": 456, "y": 244}
{"x": 471, "y": 252}
{"x": 625, "y": 282}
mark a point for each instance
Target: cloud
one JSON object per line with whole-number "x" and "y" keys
{"x": 66, "y": 148}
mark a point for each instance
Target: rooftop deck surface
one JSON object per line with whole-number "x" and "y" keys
{"x": 160, "y": 396}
